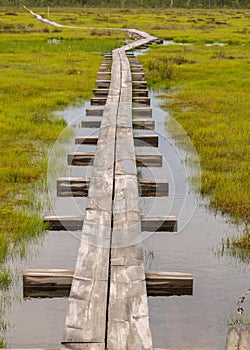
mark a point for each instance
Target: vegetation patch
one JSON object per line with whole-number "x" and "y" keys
{"x": 41, "y": 71}
{"x": 210, "y": 100}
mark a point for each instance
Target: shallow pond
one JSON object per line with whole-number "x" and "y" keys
{"x": 194, "y": 321}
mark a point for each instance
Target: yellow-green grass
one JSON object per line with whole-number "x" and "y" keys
{"x": 208, "y": 94}
{"x": 38, "y": 77}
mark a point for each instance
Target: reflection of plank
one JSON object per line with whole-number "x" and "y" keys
{"x": 57, "y": 282}
{"x": 144, "y": 159}
{"x": 148, "y": 223}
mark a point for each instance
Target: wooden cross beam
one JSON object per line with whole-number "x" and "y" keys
{"x": 78, "y": 187}
{"x": 140, "y": 140}
{"x": 57, "y": 283}
{"x": 148, "y": 223}
{"x": 143, "y": 159}
{"x": 138, "y": 123}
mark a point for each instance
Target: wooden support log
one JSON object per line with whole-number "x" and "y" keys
{"x": 98, "y": 101}
{"x": 138, "y": 76}
{"x": 144, "y": 112}
{"x": 138, "y": 123}
{"x": 142, "y": 100}
{"x": 143, "y": 140}
{"x": 140, "y": 93}
{"x": 142, "y": 159}
{"x": 94, "y": 112}
{"x": 102, "y": 84}
{"x": 78, "y": 187}
{"x": 142, "y": 123}
{"x": 139, "y": 84}
{"x": 148, "y": 223}
{"x": 91, "y": 123}
{"x": 136, "y": 69}
{"x": 149, "y": 159}
{"x": 57, "y": 282}
{"x": 103, "y": 75}
{"x": 101, "y": 92}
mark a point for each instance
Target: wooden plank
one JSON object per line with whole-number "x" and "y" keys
{"x": 140, "y": 140}
{"x": 142, "y": 100}
{"x": 101, "y": 92}
{"x": 159, "y": 223}
{"x": 103, "y": 75}
{"x": 91, "y": 123}
{"x": 87, "y": 310}
{"x": 142, "y": 84}
{"x": 128, "y": 315}
{"x": 57, "y": 282}
{"x": 140, "y": 92}
{"x": 143, "y": 159}
{"x": 94, "y": 112}
{"x": 138, "y": 76}
{"x": 148, "y": 159}
{"x": 64, "y": 222}
{"x": 148, "y": 223}
{"x": 80, "y": 158}
{"x": 138, "y": 123}
{"x": 143, "y": 123}
{"x": 102, "y": 84}
{"x": 98, "y": 101}
{"x": 78, "y": 187}
{"x": 142, "y": 112}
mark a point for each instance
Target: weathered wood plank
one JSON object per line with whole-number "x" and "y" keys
{"x": 104, "y": 75}
{"x": 142, "y": 100}
{"x": 148, "y": 223}
{"x": 98, "y": 101}
{"x": 140, "y": 140}
{"x": 143, "y": 159}
{"x": 101, "y": 92}
{"x": 102, "y": 84}
{"x": 57, "y": 282}
{"x": 142, "y": 112}
{"x": 78, "y": 187}
{"x": 94, "y": 112}
{"x": 140, "y": 92}
{"x": 138, "y": 123}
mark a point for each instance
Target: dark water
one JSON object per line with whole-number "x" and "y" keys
{"x": 219, "y": 279}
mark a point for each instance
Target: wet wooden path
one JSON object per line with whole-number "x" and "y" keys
{"x": 108, "y": 306}
{"x": 108, "y": 289}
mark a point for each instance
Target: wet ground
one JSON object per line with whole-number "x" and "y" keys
{"x": 220, "y": 279}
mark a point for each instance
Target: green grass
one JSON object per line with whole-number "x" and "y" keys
{"x": 38, "y": 76}
{"x": 208, "y": 94}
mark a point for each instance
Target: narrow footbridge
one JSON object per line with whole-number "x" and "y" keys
{"x": 108, "y": 288}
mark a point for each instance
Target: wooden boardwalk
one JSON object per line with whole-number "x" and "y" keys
{"x": 108, "y": 299}
{"x": 108, "y": 289}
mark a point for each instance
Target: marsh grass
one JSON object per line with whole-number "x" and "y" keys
{"x": 209, "y": 96}
{"x": 43, "y": 69}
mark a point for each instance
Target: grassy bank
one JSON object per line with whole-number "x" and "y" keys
{"x": 43, "y": 69}
{"x": 208, "y": 94}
